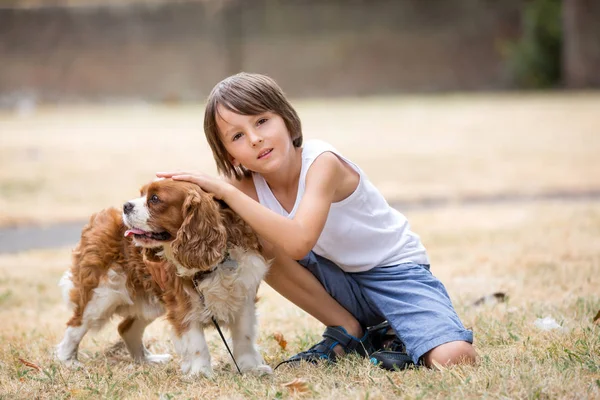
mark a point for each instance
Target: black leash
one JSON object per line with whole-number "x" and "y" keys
{"x": 225, "y": 341}
{"x": 199, "y": 276}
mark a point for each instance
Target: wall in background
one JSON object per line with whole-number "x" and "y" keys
{"x": 178, "y": 51}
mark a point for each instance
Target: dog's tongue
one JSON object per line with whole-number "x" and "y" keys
{"x": 134, "y": 231}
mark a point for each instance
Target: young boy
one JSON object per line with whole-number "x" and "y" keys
{"x": 359, "y": 262}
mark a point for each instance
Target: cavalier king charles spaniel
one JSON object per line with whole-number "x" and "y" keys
{"x": 214, "y": 267}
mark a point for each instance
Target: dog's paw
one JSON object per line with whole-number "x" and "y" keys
{"x": 64, "y": 355}
{"x": 69, "y": 359}
{"x": 196, "y": 368}
{"x": 253, "y": 363}
{"x": 72, "y": 363}
{"x": 205, "y": 370}
{"x": 157, "y": 358}
{"x": 259, "y": 370}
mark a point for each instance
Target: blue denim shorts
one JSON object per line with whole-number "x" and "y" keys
{"x": 414, "y": 302}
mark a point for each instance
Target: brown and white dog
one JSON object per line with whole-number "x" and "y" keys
{"x": 214, "y": 269}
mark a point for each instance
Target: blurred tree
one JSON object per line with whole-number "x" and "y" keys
{"x": 535, "y": 58}
{"x": 581, "y": 57}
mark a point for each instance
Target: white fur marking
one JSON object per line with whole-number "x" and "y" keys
{"x": 139, "y": 216}
{"x": 67, "y": 349}
{"x": 243, "y": 333}
{"x": 66, "y": 284}
{"x": 192, "y": 348}
{"x": 109, "y": 295}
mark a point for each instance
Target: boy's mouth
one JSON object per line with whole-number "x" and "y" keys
{"x": 264, "y": 153}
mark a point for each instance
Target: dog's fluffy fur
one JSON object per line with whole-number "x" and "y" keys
{"x": 194, "y": 233}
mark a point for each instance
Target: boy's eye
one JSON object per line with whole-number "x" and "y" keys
{"x": 261, "y": 121}
{"x": 237, "y": 136}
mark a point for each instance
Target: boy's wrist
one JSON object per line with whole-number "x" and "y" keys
{"x": 227, "y": 192}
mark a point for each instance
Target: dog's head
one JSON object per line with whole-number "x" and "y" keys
{"x": 179, "y": 214}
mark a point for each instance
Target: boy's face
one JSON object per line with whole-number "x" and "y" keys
{"x": 261, "y": 143}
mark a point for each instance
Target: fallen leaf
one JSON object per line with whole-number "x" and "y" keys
{"x": 498, "y": 297}
{"x": 298, "y": 385}
{"x": 597, "y": 318}
{"x": 30, "y": 364}
{"x": 278, "y": 336}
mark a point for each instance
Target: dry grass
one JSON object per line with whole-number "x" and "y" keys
{"x": 63, "y": 164}
{"x": 544, "y": 256}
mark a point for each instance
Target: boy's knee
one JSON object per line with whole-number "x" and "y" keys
{"x": 451, "y": 353}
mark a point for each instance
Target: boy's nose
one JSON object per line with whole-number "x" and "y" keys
{"x": 256, "y": 140}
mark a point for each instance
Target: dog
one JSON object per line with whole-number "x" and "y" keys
{"x": 214, "y": 268}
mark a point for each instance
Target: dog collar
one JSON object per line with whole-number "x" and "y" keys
{"x": 226, "y": 260}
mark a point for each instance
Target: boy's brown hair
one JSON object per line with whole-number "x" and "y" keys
{"x": 246, "y": 94}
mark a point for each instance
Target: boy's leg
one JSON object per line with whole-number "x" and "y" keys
{"x": 310, "y": 284}
{"x": 419, "y": 309}
{"x": 357, "y": 297}
{"x": 457, "y": 352}
{"x": 300, "y": 286}
{"x": 343, "y": 288}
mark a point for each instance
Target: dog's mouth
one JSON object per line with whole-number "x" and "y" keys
{"x": 140, "y": 234}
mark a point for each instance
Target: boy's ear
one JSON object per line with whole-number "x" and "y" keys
{"x": 233, "y": 161}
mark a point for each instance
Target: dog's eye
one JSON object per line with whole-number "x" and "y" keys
{"x": 154, "y": 199}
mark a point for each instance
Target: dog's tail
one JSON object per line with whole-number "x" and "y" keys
{"x": 66, "y": 285}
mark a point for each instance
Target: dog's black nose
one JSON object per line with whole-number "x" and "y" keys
{"x": 127, "y": 207}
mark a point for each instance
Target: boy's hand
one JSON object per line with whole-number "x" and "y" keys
{"x": 211, "y": 184}
{"x": 158, "y": 270}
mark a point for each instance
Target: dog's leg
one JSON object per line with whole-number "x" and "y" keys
{"x": 66, "y": 351}
{"x": 93, "y": 314}
{"x": 131, "y": 330}
{"x": 191, "y": 347}
{"x": 243, "y": 333}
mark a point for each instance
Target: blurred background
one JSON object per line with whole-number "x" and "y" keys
{"x": 438, "y": 101}
{"x": 175, "y": 51}
{"x": 477, "y": 119}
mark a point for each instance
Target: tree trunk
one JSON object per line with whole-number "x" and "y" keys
{"x": 581, "y": 33}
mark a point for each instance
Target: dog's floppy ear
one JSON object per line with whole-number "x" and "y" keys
{"x": 201, "y": 241}
{"x": 239, "y": 232}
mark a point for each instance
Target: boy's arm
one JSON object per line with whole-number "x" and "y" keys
{"x": 295, "y": 236}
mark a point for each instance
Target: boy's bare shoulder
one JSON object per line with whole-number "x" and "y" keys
{"x": 245, "y": 185}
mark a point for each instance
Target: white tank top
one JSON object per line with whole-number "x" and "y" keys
{"x": 362, "y": 231}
